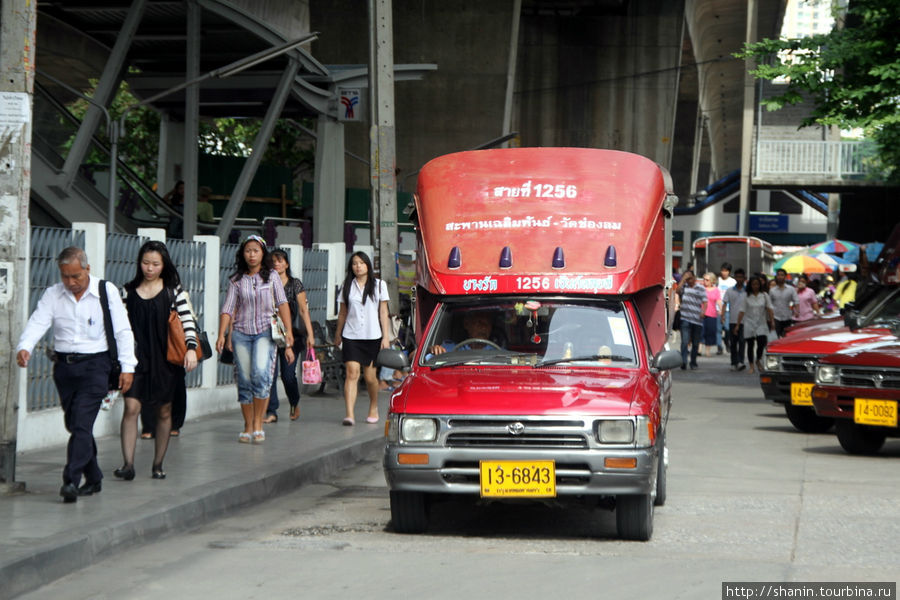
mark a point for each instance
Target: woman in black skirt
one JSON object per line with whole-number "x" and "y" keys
{"x": 150, "y": 296}
{"x": 363, "y": 329}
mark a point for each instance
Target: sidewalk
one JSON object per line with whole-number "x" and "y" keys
{"x": 209, "y": 474}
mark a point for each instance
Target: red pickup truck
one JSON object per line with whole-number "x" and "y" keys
{"x": 541, "y": 372}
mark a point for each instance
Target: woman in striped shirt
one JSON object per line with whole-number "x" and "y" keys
{"x": 150, "y": 297}
{"x": 255, "y": 292}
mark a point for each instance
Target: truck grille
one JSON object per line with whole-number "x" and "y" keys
{"x": 525, "y": 440}
{"x": 870, "y": 378}
{"x": 549, "y": 433}
{"x": 792, "y": 363}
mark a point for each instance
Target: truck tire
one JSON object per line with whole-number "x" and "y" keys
{"x": 805, "y": 419}
{"x": 859, "y": 439}
{"x": 661, "y": 473}
{"x": 408, "y": 512}
{"x": 634, "y": 517}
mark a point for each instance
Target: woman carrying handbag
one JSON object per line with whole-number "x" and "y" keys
{"x": 150, "y": 298}
{"x": 303, "y": 340}
{"x": 254, "y": 291}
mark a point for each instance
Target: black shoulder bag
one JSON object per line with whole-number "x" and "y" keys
{"x": 115, "y": 368}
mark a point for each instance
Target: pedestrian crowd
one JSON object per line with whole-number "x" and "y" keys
{"x": 732, "y": 313}
{"x": 139, "y": 344}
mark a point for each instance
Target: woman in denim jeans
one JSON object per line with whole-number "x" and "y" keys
{"x": 254, "y": 293}
{"x": 296, "y": 296}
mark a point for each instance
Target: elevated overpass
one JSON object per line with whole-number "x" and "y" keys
{"x": 657, "y": 77}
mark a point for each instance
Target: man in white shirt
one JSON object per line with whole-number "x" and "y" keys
{"x": 734, "y": 300}
{"x": 82, "y": 363}
{"x": 726, "y": 282}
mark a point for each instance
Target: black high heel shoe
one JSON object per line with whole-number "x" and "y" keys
{"x": 126, "y": 472}
{"x": 158, "y": 473}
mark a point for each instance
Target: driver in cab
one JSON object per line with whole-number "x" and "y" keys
{"x": 478, "y": 328}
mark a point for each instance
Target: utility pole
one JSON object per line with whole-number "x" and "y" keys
{"x": 382, "y": 145}
{"x": 18, "y": 20}
{"x": 747, "y": 128}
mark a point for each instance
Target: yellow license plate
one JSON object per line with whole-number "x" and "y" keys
{"x": 875, "y": 412}
{"x": 801, "y": 394}
{"x": 518, "y": 478}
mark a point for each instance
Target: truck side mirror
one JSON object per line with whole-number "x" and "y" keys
{"x": 391, "y": 358}
{"x": 667, "y": 359}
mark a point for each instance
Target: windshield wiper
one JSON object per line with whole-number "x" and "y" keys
{"x": 474, "y": 360}
{"x": 613, "y": 357}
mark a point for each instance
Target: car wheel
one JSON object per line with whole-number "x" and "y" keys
{"x": 408, "y": 512}
{"x": 661, "y": 472}
{"x": 859, "y": 439}
{"x": 806, "y": 420}
{"x": 634, "y": 517}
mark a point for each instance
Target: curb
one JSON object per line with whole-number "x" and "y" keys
{"x": 198, "y": 506}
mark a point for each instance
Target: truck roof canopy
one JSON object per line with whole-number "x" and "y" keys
{"x": 541, "y": 220}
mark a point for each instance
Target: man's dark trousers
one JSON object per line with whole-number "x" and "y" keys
{"x": 81, "y": 386}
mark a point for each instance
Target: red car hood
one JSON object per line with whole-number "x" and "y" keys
{"x": 827, "y": 341}
{"x": 883, "y": 353}
{"x": 520, "y": 391}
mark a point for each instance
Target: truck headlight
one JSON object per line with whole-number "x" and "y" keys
{"x": 418, "y": 430}
{"x": 827, "y": 374}
{"x": 615, "y": 431}
{"x": 772, "y": 362}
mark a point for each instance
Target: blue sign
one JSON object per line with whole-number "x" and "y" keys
{"x": 769, "y": 223}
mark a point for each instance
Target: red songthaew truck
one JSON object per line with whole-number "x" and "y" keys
{"x": 541, "y": 370}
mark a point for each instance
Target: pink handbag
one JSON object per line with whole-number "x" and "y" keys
{"x": 312, "y": 370}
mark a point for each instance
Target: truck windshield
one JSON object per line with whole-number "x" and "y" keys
{"x": 530, "y": 333}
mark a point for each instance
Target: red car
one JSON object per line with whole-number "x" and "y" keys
{"x": 541, "y": 372}
{"x": 860, "y": 388}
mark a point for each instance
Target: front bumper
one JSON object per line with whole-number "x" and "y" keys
{"x": 578, "y": 472}
{"x": 838, "y": 402}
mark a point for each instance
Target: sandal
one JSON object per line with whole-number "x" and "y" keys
{"x": 146, "y": 436}
{"x": 244, "y": 437}
{"x": 295, "y": 413}
{"x": 271, "y": 418}
{"x": 347, "y": 422}
{"x": 174, "y": 433}
{"x": 259, "y": 437}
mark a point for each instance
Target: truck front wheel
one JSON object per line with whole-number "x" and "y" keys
{"x": 806, "y": 420}
{"x": 408, "y": 512}
{"x": 634, "y": 517}
{"x": 859, "y": 439}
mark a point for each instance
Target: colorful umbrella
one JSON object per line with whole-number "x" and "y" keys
{"x": 833, "y": 246}
{"x": 873, "y": 249}
{"x": 802, "y": 263}
{"x": 834, "y": 262}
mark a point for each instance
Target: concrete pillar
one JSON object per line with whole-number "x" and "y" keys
{"x": 328, "y": 204}
{"x": 210, "y": 321}
{"x": 171, "y": 153}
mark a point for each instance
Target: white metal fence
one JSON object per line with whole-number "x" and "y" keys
{"x": 838, "y": 160}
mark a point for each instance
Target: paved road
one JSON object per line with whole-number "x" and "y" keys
{"x": 749, "y": 499}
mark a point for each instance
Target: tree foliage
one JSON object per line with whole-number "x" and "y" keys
{"x": 852, "y": 75}
{"x": 139, "y": 144}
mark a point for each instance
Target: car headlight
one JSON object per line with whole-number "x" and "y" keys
{"x": 418, "y": 430}
{"x": 827, "y": 374}
{"x": 772, "y": 362}
{"x": 616, "y": 431}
